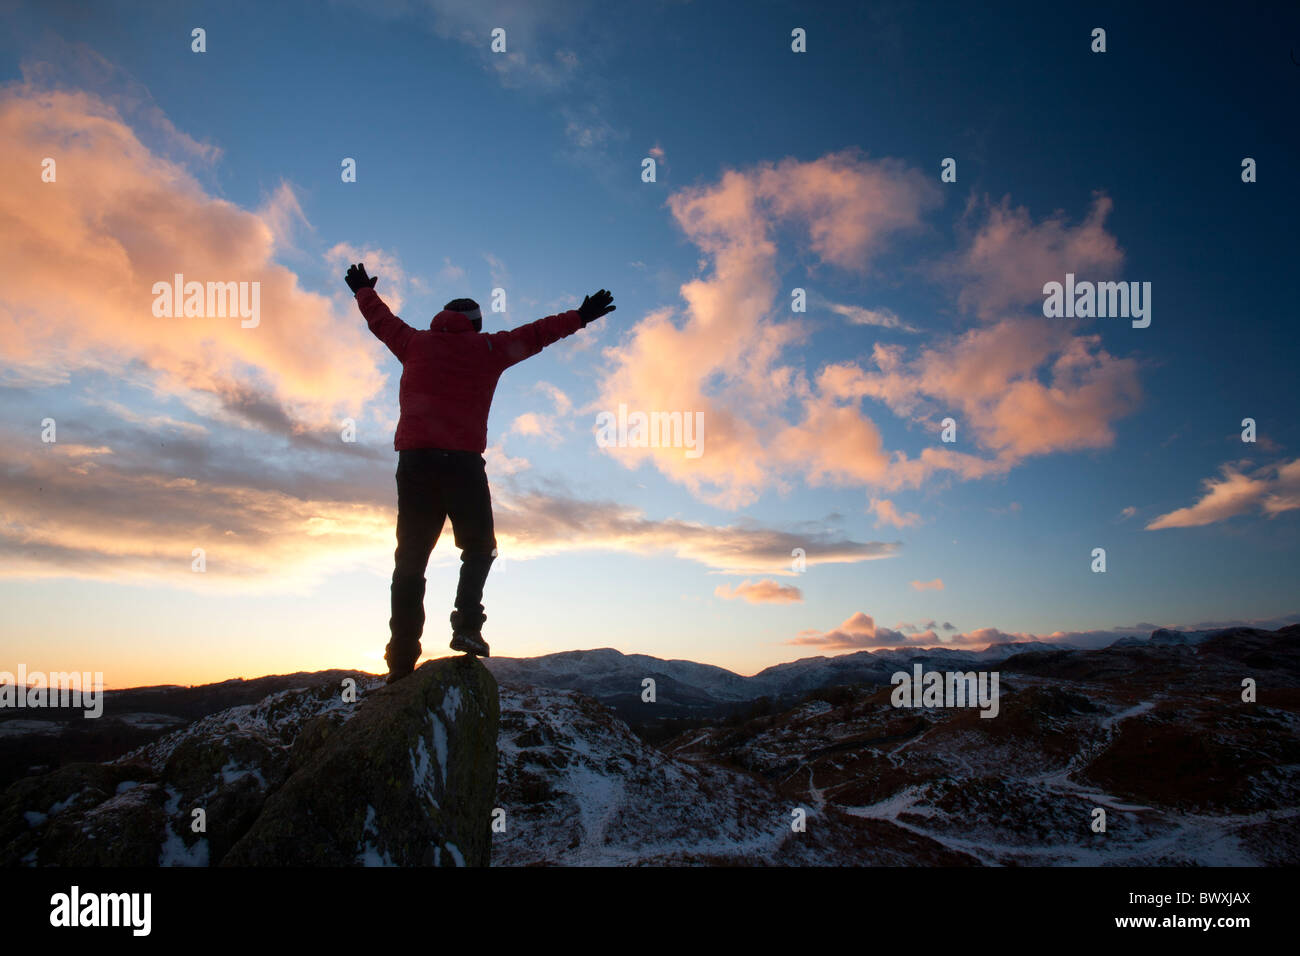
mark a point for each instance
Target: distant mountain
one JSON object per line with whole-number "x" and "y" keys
{"x": 610, "y": 675}
{"x": 1168, "y": 638}
{"x": 686, "y": 689}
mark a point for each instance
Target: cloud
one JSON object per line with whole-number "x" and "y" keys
{"x": 723, "y": 357}
{"x": 55, "y": 498}
{"x": 887, "y": 514}
{"x": 55, "y": 64}
{"x": 1127, "y": 513}
{"x": 378, "y": 262}
{"x": 1011, "y": 257}
{"x": 765, "y": 591}
{"x": 880, "y": 318}
{"x": 152, "y": 422}
{"x": 283, "y": 215}
{"x": 657, "y": 152}
{"x": 533, "y": 59}
{"x": 86, "y": 250}
{"x": 587, "y": 130}
{"x": 531, "y": 524}
{"x": 500, "y": 463}
{"x": 1269, "y": 490}
{"x": 450, "y": 274}
{"x": 541, "y": 62}
{"x": 270, "y": 523}
{"x": 935, "y": 585}
{"x": 1022, "y": 387}
{"x": 530, "y": 423}
{"x": 858, "y": 631}
{"x": 540, "y": 425}
{"x": 1017, "y": 387}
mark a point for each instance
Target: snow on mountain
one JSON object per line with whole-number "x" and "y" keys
{"x": 616, "y": 678}
{"x": 605, "y": 673}
{"x": 580, "y": 789}
{"x": 1158, "y": 737}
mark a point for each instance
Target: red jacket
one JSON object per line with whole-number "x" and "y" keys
{"x": 450, "y": 372}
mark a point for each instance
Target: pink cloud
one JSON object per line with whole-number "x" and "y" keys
{"x": 1271, "y": 490}
{"x": 547, "y": 426}
{"x": 1018, "y": 387}
{"x": 765, "y": 591}
{"x": 1011, "y": 256}
{"x": 887, "y": 514}
{"x": 724, "y": 356}
{"x": 84, "y": 252}
{"x": 935, "y": 585}
{"x": 849, "y": 205}
{"x": 858, "y": 631}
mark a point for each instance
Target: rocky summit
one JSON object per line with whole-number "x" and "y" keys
{"x": 401, "y": 775}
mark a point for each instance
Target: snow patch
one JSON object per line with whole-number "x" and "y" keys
{"x": 451, "y": 703}
{"x": 174, "y": 852}
{"x": 440, "y": 745}
{"x": 369, "y": 854}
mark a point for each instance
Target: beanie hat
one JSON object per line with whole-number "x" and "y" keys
{"x": 468, "y": 308}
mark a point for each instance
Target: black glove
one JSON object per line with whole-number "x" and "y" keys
{"x": 594, "y": 306}
{"x": 358, "y": 280}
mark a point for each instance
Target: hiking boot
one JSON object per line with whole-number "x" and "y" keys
{"x": 399, "y": 665}
{"x": 467, "y": 632}
{"x": 471, "y": 644}
{"x": 396, "y": 674}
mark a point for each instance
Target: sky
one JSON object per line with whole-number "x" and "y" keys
{"x": 798, "y": 273}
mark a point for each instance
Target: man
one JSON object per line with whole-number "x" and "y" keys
{"x": 449, "y": 373}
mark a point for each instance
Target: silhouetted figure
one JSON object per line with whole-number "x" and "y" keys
{"x": 449, "y": 374}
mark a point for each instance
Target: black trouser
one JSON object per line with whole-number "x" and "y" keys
{"x": 433, "y": 485}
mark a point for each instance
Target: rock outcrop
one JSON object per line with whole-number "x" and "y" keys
{"x": 410, "y": 780}
{"x": 401, "y": 775}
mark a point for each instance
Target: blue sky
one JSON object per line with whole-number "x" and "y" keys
{"x": 478, "y": 171}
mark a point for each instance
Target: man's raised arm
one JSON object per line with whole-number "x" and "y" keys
{"x": 387, "y": 327}
{"x": 527, "y": 340}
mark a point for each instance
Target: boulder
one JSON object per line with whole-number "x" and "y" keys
{"x": 408, "y": 780}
